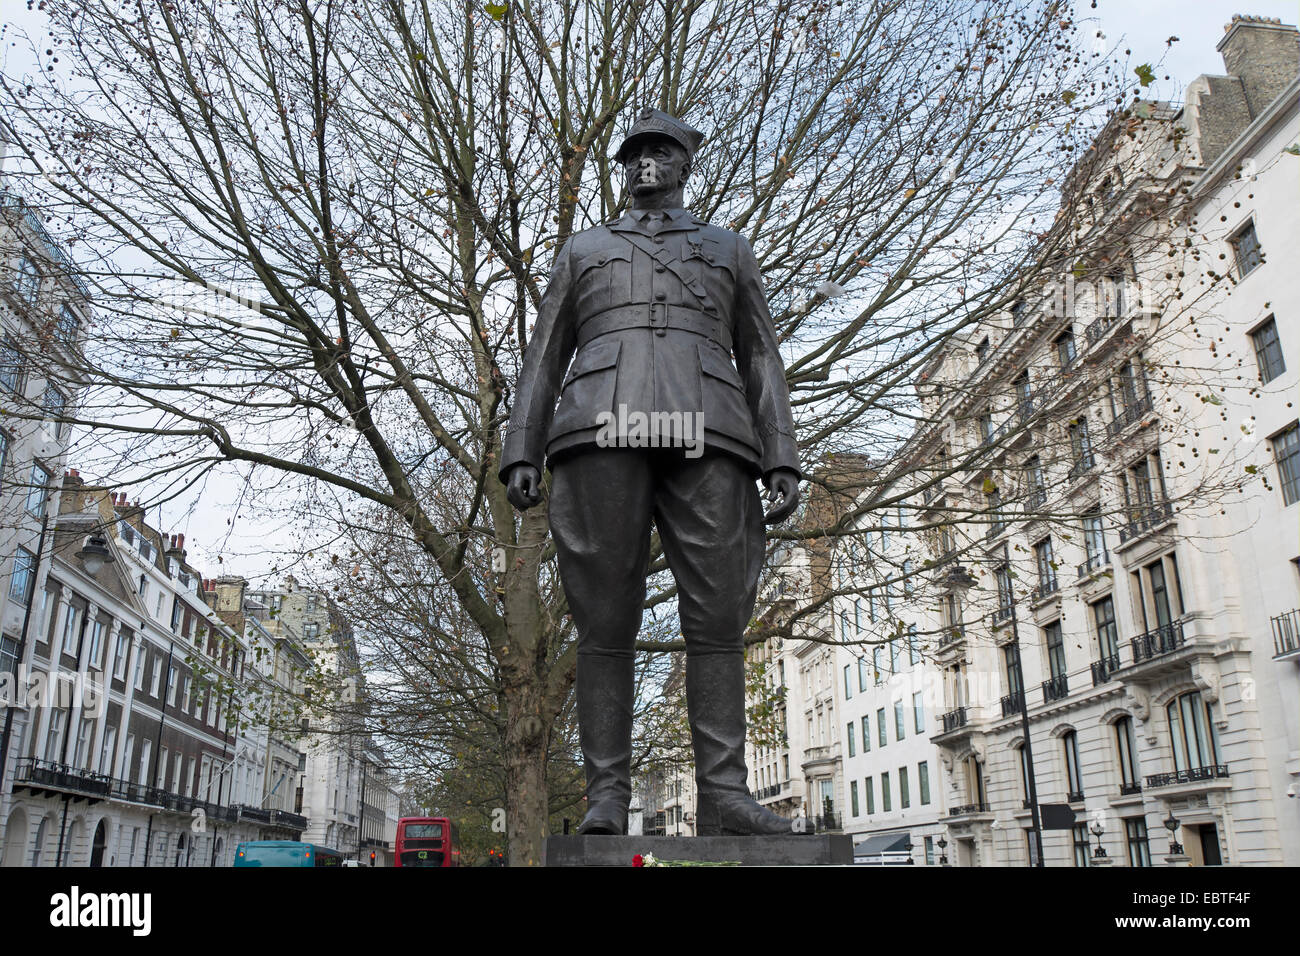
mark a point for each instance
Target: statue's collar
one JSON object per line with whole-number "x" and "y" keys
{"x": 674, "y": 219}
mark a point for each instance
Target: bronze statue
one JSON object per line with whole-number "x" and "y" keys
{"x": 656, "y": 422}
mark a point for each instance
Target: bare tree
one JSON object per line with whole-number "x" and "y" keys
{"x": 315, "y": 232}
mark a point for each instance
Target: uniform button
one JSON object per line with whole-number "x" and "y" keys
{"x": 661, "y": 295}
{"x": 660, "y": 269}
{"x": 659, "y": 240}
{"x": 660, "y": 331}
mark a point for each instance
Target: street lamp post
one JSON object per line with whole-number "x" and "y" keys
{"x": 960, "y": 581}
{"x": 943, "y": 846}
{"x": 1097, "y": 830}
{"x": 1171, "y": 824}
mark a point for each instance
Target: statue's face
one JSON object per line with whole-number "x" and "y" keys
{"x": 655, "y": 167}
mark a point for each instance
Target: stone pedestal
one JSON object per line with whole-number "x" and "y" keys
{"x": 1178, "y": 859}
{"x": 1100, "y": 861}
{"x": 793, "y": 850}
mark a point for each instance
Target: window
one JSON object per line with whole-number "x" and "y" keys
{"x": 157, "y": 677}
{"x": 1103, "y": 616}
{"x": 848, "y": 684}
{"x": 1011, "y": 665}
{"x": 96, "y": 644}
{"x": 38, "y": 492}
{"x": 1094, "y": 540}
{"x": 900, "y": 729}
{"x": 1080, "y": 447}
{"x": 4, "y": 454}
{"x": 1268, "y": 351}
{"x": 918, "y": 712}
{"x": 1031, "y": 847}
{"x": 1286, "y": 452}
{"x": 880, "y": 727}
{"x": 311, "y": 631}
{"x": 1073, "y": 776}
{"x": 1191, "y": 732}
{"x": 27, "y": 281}
{"x": 56, "y": 409}
{"x": 1126, "y": 749}
{"x": 161, "y": 782}
{"x": 139, "y": 670}
{"x": 862, "y": 673}
{"x": 985, "y": 423}
{"x": 866, "y": 733}
{"x": 923, "y": 781}
{"x": 1081, "y": 845}
{"x": 1065, "y": 350}
{"x": 904, "y": 796}
{"x": 884, "y": 793}
{"x": 913, "y": 647}
{"x": 853, "y": 797}
{"x": 8, "y": 656}
{"x": 850, "y": 739}
{"x": 1055, "y": 650}
{"x": 1003, "y": 575}
{"x": 1046, "y": 567}
{"x": 171, "y": 687}
{"x": 54, "y": 741}
{"x": 185, "y": 693}
{"x": 70, "y": 631}
{"x": 909, "y": 584}
{"x": 67, "y": 325}
{"x": 85, "y": 736}
{"x": 177, "y": 611}
{"x": 1135, "y": 834}
{"x": 1037, "y": 484}
{"x": 11, "y": 366}
{"x": 107, "y": 751}
{"x": 1245, "y": 247}
{"x": 869, "y": 791}
{"x": 929, "y": 851}
{"x": 24, "y": 576}
{"x": 982, "y": 350}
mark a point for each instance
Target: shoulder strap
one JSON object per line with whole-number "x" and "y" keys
{"x": 670, "y": 262}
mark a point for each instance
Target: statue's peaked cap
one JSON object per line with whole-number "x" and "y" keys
{"x": 650, "y": 122}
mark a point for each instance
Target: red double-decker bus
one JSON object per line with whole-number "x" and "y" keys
{"x": 426, "y": 841}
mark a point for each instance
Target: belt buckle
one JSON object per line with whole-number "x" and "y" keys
{"x": 659, "y": 317}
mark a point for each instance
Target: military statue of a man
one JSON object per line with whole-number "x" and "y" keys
{"x": 655, "y": 422}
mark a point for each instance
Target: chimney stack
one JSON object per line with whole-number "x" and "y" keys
{"x": 1264, "y": 54}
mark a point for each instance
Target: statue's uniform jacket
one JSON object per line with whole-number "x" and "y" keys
{"x": 650, "y": 320}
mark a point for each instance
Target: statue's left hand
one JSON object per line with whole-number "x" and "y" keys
{"x": 783, "y": 494}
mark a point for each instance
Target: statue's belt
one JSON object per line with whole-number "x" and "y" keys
{"x": 659, "y": 317}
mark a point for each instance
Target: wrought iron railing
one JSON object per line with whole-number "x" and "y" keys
{"x": 1131, "y": 415}
{"x": 1095, "y": 562}
{"x": 1044, "y": 590}
{"x": 1190, "y": 775}
{"x": 1157, "y": 642}
{"x": 968, "y": 808}
{"x": 1074, "y": 796}
{"x": 1145, "y": 518}
{"x": 1129, "y": 789}
{"x": 954, "y": 719}
{"x": 1081, "y": 467}
{"x": 1054, "y": 688}
{"x": 35, "y": 772}
{"x": 1104, "y": 669}
{"x": 1286, "y": 632}
{"x": 1012, "y": 704}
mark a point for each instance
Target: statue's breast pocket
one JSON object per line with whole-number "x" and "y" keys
{"x": 716, "y": 273}
{"x": 604, "y": 280}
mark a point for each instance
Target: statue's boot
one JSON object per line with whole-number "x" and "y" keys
{"x": 604, "y": 690}
{"x": 715, "y": 700}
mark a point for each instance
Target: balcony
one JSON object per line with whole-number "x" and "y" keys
{"x": 1074, "y": 796}
{"x": 1044, "y": 590}
{"x": 1094, "y": 564}
{"x": 56, "y": 778}
{"x": 950, "y": 636}
{"x": 1013, "y": 704}
{"x": 290, "y": 821}
{"x": 1286, "y": 635}
{"x": 968, "y": 809}
{"x": 827, "y": 822}
{"x": 1055, "y": 688}
{"x": 1145, "y": 518}
{"x": 954, "y": 719}
{"x": 1081, "y": 467}
{"x": 1131, "y": 415}
{"x": 1130, "y": 789}
{"x": 1037, "y": 499}
{"x": 821, "y": 755}
{"x": 1158, "y": 642}
{"x": 1098, "y": 328}
{"x": 1103, "y": 671}
{"x": 1001, "y": 614}
{"x": 1192, "y": 775}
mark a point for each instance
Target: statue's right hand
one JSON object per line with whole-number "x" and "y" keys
{"x": 524, "y": 486}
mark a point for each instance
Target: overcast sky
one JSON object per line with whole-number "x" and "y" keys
{"x": 1144, "y": 26}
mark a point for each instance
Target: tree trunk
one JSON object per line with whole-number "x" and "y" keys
{"x": 527, "y": 797}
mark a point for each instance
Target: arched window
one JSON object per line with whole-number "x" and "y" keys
{"x": 39, "y": 845}
{"x": 1073, "y": 777}
{"x": 1126, "y": 750}
{"x": 1191, "y": 732}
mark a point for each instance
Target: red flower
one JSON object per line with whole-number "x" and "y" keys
{"x": 638, "y": 860}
